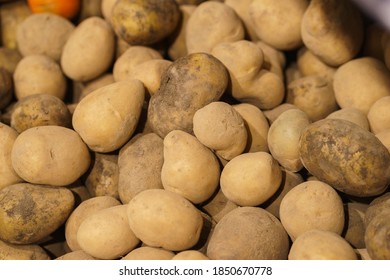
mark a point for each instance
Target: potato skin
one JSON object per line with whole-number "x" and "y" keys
{"x": 345, "y": 156}
{"x": 22, "y": 252}
{"x": 377, "y": 236}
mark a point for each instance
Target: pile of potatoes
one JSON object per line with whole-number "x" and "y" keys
{"x": 196, "y": 130}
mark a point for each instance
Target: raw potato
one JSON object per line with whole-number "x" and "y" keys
{"x": 360, "y": 82}
{"x": 242, "y": 8}
{"x": 89, "y": 50}
{"x": 189, "y": 169}
{"x": 22, "y": 252}
{"x": 160, "y": 218}
{"x": 229, "y": 240}
{"x": 240, "y": 178}
{"x": 189, "y": 83}
{"x": 108, "y": 226}
{"x": 190, "y": 255}
{"x": 274, "y": 113}
{"x": 274, "y": 60}
{"x": 377, "y": 236}
{"x": 379, "y": 115}
{"x": 76, "y": 255}
{"x": 218, "y": 206}
{"x": 144, "y": 22}
{"x": 384, "y": 137}
{"x": 37, "y": 74}
{"x": 278, "y": 23}
{"x": 283, "y": 138}
{"x": 311, "y": 205}
{"x": 52, "y": 29}
{"x": 39, "y": 110}
{"x": 354, "y": 224}
{"x": 351, "y": 114}
{"x": 29, "y": 213}
{"x": 6, "y": 88}
{"x": 106, "y": 8}
{"x": 91, "y": 86}
{"x": 309, "y": 65}
{"x": 119, "y": 106}
{"x": 149, "y": 253}
{"x": 376, "y": 207}
{"x": 51, "y": 155}
{"x": 332, "y": 30}
{"x": 81, "y": 212}
{"x": 221, "y": 128}
{"x": 227, "y": 27}
{"x": 321, "y": 245}
{"x": 346, "y": 156}
{"x": 9, "y": 58}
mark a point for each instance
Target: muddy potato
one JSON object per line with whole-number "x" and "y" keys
{"x": 119, "y": 106}
{"x": 76, "y": 255}
{"x": 311, "y": 205}
{"x": 379, "y": 115}
{"x": 149, "y": 253}
{"x": 30, "y": 213}
{"x": 351, "y": 114}
{"x": 321, "y": 245}
{"x": 190, "y": 255}
{"x": 346, "y": 156}
{"x": 218, "y": 206}
{"x": 6, "y": 88}
{"x": 268, "y": 239}
{"x": 309, "y": 65}
{"x": 39, "y": 110}
{"x": 9, "y": 58}
{"x": 377, "y": 236}
{"x": 354, "y": 224}
{"x": 51, "y": 155}
{"x": 36, "y": 74}
{"x": 81, "y": 212}
{"x": 144, "y": 22}
{"x": 189, "y": 83}
{"x": 160, "y": 218}
{"x": 22, "y": 252}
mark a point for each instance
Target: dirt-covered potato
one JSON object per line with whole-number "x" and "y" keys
{"x": 160, "y": 218}
{"x": 6, "y": 88}
{"x": 354, "y": 224}
{"x": 89, "y": 50}
{"x": 119, "y": 105}
{"x": 346, "y": 156}
{"x": 76, "y": 255}
{"x": 37, "y": 74}
{"x": 149, "y": 253}
{"x": 309, "y": 65}
{"x": 311, "y": 205}
{"x": 144, "y": 22}
{"x": 260, "y": 236}
{"x": 43, "y": 33}
{"x": 39, "y": 110}
{"x": 22, "y": 252}
{"x": 321, "y": 245}
{"x": 351, "y": 114}
{"x": 30, "y": 213}
{"x": 9, "y": 58}
{"x": 379, "y": 115}
{"x": 190, "y": 255}
{"x": 377, "y": 236}
{"x": 189, "y": 83}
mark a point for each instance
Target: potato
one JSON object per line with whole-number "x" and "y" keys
{"x": 51, "y": 155}
{"x": 374, "y": 41}
{"x": 149, "y": 253}
{"x": 274, "y": 60}
{"x": 278, "y": 24}
{"x": 90, "y": 8}
{"x": 351, "y": 114}
{"x": 332, "y": 30}
{"x": 30, "y": 213}
{"x": 140, "y": 162}
{"x": 346, "y": 156}
{"x": 9, "y": 58}
{"x": 377, "y": 206}
{"x": 190, "y": 255}
{"x": 189, "y": 83}
{"x": 144, "y": 22}
{"x": 119, "y": 105}
{"x": 106, "y": 9}
{"x": 242, "y": 9}
{"x": 311, "y": 205}
{"x": 384, "y": 137}
{"x": 39, "y": 110}
{"x": 89, "y": 50}
{"x": 354, "y": 227}
{"x": 310, "y": 65}
{"x": 101, "y": 81}
{"x": 248, "y": 233}
{"x": 107, "y": 226}
{"x": 189, "y": 169}
{"x": 321, "y": 245}
{"x": 283, "y": 138}
{"x": 377, "y": 236}
{"x": 360, "y": 83}
{"x": 36, "y": 74}
{"x": 103, "y": 175}
{"x": 22, "y": 252}
{"x": 218, "y": 206}
{"x": 160, "y": 218}
{"x": 8, "y": 176}
{"x": 362, "y": 254}
{"x": 52, "y": 29}
{"x": 81, "y": 212}
{"x": 80, "y": 192}
{"x": 274, "y": 113}
{"x": 379, "y": 115}
{"x": 76, "y": 255}
{"x": 6, "y": 88}
{"x": 227, "y": 27}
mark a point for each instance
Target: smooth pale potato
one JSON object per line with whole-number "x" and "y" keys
{"x": 149, "y": 253}
{"x": 89, "y": 50}
{"x": 190, "y": 255}
{"x": 36, "y": 74}
{"x": 189, "y": 83}
{"x": 311, "y": 205}
{"x": 43, "y": 33}
{"x": 108, "y": 226}
{"x": 90, "y": 86}
{"x": 354, "y": 224}
{"x": 190, "y": 169}
{"x": 22, "y": 252}
{"x": 9, "y": 58}
{"x": 346, "y": 156}
{"x": 218, "y": 206}
{"x": 221, "y": 128}
{"x": 242, "y": 9}
{"x": 227, "y": 27}
{"x": 119, "y": 106}
{"x": 321, "y": 245}
{"x": 160, "y": 218}
{"x": 377, "y": 236}
{"x": 29, "y": 213}
{"x": 81, "y": 212}
{"x": 379, "y": 115}
{"x": 274, "y": 113}
{"x": 51, "y": 155}
{"x": 248, "y": 233}
{"x": 8, "y": 176}
{"x": 240, "y": 178}
{"x": 384, "y": 137}
{"x": 6, "y": 88}
{"x": 76, "y": 255}
{"x": 351, "y": 114}
{"x": 283, "y": 138}
{"x": 140, "y": 162}
{"x": 39, "y": 110}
